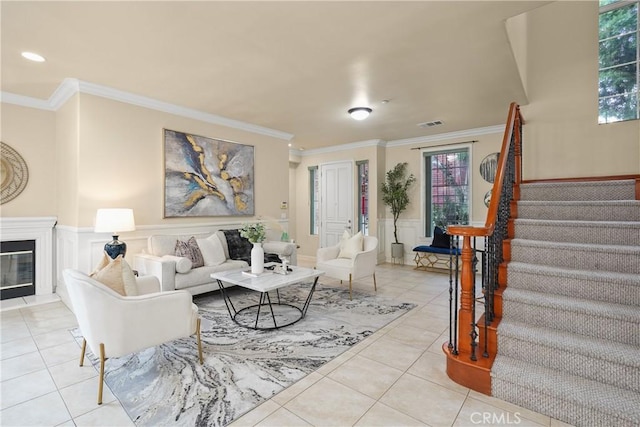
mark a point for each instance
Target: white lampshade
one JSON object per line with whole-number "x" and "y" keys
{"x": 114, "y": 220}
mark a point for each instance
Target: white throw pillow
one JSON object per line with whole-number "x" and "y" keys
{"x": 351, "y": 246}
{"x": 183, "y": 264}
{"x": 212, "y": 250}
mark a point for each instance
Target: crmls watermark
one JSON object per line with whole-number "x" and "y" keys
{"x": 493, "y": 418}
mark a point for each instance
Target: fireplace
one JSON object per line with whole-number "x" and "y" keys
{"x": 17, "y": 268}
{"x": 26, "y": 256}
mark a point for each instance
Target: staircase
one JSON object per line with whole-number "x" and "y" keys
{"x": 569, "y": 338}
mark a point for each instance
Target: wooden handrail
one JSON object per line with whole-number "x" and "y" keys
{"x": 464, "y": 366}
{"x": 514, "y": 119}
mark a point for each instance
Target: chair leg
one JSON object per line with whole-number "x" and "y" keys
{"x": 84, "y": 348}
{"x": 199, "y": 341}
{"x": 375, "y": 286}
{"x": 102, "y": 360}
{"x": 350, "y": 286}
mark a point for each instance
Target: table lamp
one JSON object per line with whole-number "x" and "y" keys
{"x": 115, "y": 221}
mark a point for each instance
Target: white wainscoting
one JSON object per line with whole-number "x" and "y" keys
{"x": 82, "y": 248}
{"x": 411, "y": 233}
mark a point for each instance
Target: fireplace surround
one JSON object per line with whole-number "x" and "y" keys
{"x": 40, "y": 230}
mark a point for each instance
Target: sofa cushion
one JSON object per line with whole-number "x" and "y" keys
{"x": 183, "y": 264}
{"x": 190, "y": 249}
{"x": 212, "y": 251}
{"x": 117, "y": 275}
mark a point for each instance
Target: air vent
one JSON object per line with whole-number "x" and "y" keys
{"x": 430, "y": 124}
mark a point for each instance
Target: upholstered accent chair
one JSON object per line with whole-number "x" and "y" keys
{"x": 352, "y": 265}
{"x": 114, "y": 325}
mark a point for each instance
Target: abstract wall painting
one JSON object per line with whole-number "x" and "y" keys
{"x": 207, "y": 177}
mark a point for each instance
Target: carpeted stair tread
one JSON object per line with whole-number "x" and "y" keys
{"x": 586, "y": 190}
{"x": 568, "y": 344}
{"x": 606, "y": 286}
{"x": 579, "y": 316}
{"x": 570, "y": 398}
{"x": 626, "y": 233}
{"x": 583, "y": 256}
{"x": 611, "y": 210}
{"x": 575, "y": 305}
{"x": 596, "y": 359}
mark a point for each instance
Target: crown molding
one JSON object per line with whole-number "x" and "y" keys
{"x": 445, "y": 136}
{"x": 343, "y": 147}
{"x": 70, "y": 87}
{"x": 25, "y": 101}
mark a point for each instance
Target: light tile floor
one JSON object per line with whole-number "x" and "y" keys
{"x": 396, "y": 377}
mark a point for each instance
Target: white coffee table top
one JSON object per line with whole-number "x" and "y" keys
{"x": 268, "y": 281}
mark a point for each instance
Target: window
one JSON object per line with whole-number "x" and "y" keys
{"x": 363, "y": 196}
{"x": 446, "y": 188}
{"x": 314, "y": 200}
{"x": 619, "y": 61}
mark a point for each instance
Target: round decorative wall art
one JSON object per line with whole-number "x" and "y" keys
{"x": 14, "y": 173}
{"x": 487, "y": 198}
{"x": 488, "y": 167}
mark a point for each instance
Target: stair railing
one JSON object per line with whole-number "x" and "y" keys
{"x": 464, "y": 329}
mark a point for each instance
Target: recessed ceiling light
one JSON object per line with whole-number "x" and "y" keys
{"x": 33, "y": 56}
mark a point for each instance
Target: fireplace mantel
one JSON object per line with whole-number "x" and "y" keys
{"x": 39, "y": 229}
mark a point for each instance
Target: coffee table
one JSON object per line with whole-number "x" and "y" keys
{"x": 265, "y": 283}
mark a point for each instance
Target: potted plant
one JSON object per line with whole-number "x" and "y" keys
{"x": 256, "y": 234}
{"x": 395, "y": 194}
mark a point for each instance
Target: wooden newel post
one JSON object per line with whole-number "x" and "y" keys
{"x": 467, "y": 299}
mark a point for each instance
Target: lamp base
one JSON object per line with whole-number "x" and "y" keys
{"x": 115, "y": 248}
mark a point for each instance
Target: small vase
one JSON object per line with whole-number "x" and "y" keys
{"x": 257, "y": 259}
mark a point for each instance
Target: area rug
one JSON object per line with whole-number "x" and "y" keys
{"x": 166, "y": 385}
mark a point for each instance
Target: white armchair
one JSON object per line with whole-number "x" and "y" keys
{"x": 114, "y": 325}
{"x": 360, "y": 266}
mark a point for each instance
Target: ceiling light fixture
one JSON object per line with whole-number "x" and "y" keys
{"x": 33, "y": 56}
{"x": 360, "y": 113}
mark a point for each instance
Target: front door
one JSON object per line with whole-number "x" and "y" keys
{"x": 336, "y": 201}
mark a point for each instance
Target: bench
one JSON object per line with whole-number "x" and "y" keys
{"x": 428, "y": 257}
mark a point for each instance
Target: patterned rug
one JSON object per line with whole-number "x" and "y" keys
{"x": 166, "y": 385}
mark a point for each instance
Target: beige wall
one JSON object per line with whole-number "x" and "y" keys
{"x": 486, "y": 144}
{"x": 94, "y": 152}
{"x": 293, "y": 199}
{"x": 309, "y": 243}
{"x": 380, "y": 161}
{"x": 67, "y": 157}
{"x": 32, "y": 133}
{"x": 562, "y": 137}
{"x": 106, "y": 153}
{"x": 120, "y": 162}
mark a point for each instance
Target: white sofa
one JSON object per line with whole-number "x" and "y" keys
{"x": 159, "y": 261}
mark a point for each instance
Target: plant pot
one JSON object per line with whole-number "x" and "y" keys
{"x": 397, "y": 250}
{"x": 257, "y": 259}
